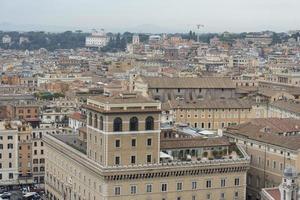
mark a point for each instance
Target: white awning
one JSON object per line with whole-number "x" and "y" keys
{"x": 164, "y": 155}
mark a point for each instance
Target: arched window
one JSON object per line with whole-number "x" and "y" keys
{"x": 117, "y": 124}
{"x": 90, "y": 119}
{"x": 101, "y": 123}
{"x": 134, "y": 124}
{"x": 96, "y": 121}
{"x": 149, "y": 123}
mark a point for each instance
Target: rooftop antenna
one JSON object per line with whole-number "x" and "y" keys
{"x": 199, "y": 26}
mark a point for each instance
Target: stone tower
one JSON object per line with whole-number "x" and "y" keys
{"x": 289, "y": 187}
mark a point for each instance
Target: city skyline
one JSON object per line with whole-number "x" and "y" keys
{"x": 140, "y": 16}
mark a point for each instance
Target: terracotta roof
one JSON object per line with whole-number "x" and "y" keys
{"x": 273, "y": 192}
{"x": 193, "y": 142}
{"x": 77, "y": 116}
{"x": 212, "y": 104}
{"x": 188, "y": 82}
{"x": 278, "y": 125}
{"x": 288, "y": 105}
{"x": 267, "y": 131}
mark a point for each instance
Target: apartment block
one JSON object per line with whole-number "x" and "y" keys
{"x": 9, "y": 169}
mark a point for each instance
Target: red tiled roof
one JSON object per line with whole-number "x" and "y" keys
{"x": 274, "y": 193}
{"x": 77, "y": 116}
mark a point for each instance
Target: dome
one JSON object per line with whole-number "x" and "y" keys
{"x": 290, "y": 172}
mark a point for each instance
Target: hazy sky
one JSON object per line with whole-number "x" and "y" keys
{"x": 176, "y": 15}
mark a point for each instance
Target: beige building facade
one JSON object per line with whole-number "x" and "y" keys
{"x": 123, "y": 159}
{"x": 273, "y": 144}
{"x": 211, "y": 113}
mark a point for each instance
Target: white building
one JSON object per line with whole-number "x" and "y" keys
{"x": 6, "y": 39}
{"x": 9, "y": 168}
{"x": 135, "y": 39}
{"x": 76, "y": 120}
{"x": 96, "y": 39}
{"x": 23, "y": 40}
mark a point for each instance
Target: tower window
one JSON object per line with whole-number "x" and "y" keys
{"x": 117, "y": 160}
{"x": 96, "y": 121}
{"x": 117, "y": 124}
{"x": 117, "y": 143}
{"x": 133, "y": 142}
{"x": 101, "y": 123}
{"x": 149, "y": 142}
{"x": 149, "y": 158}
{"x": 132, "y": 159}
{"x": 90, "y": 122}
{"x": 149, "y": 123}
{"x": 134, "y": 124}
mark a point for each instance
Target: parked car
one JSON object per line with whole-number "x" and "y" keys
{"x": 5, "y": 195}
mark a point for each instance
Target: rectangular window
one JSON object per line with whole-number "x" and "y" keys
{"x": 149, "y": 142}
{"x": 149, "y": 158}
{"x": 236, "y": 181}
{"x": 208, "y": 184}
{"x": 117, "y": 143}
{"x": 179, "y": 186}
{"x": 117, "y": 160}
{"x": 117, "y": 190}
{"x": 10, "y": 146}
{"x": 222, "y": 196}
{"x": 194, "y": 185}
{"x": 149, "y": 188}
{"x": 132, "y": 159}
{"x": 208, "y": 196}
{"x": 9, "y": 137}
{"x": 274, "y": 164}
{"x": 133, "y": 189}
{"x": 236, "y": 194}
{"x": 164, "y": 187}
{"x": 223, "y": 182}
{"x": 11, "y": 176}
{"x": 133, "y": 142}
